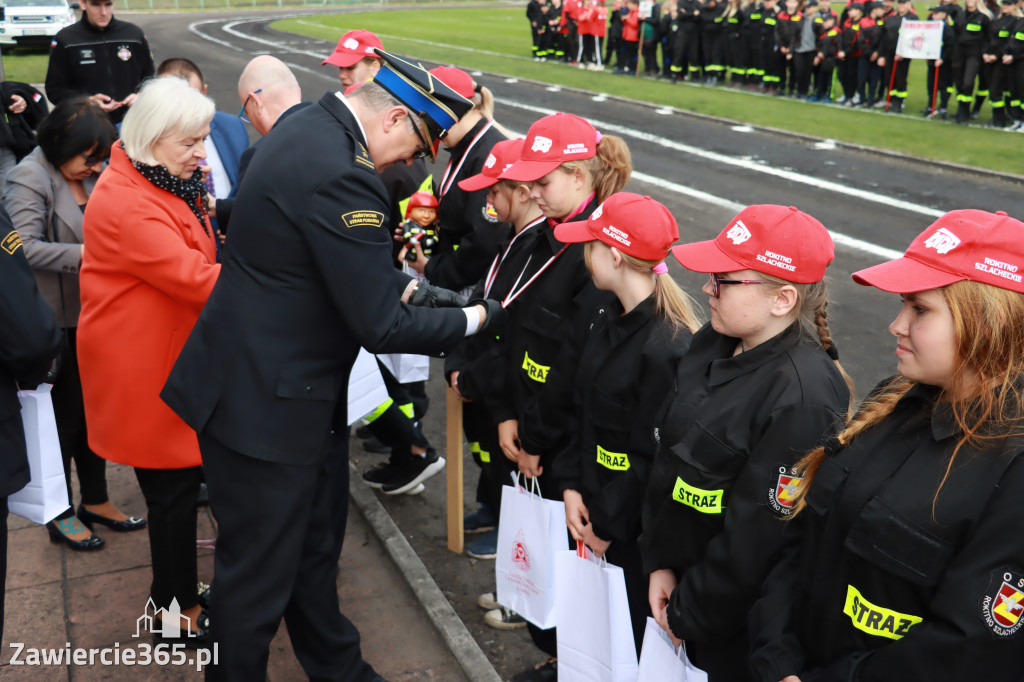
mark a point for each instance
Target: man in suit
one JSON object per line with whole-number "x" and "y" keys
{"x": 227, "y": 140}
{"x": 262, "y": 378}
{"x": 29, "y": 338}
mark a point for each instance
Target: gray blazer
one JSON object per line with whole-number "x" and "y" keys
{"x": 45, "y": 212}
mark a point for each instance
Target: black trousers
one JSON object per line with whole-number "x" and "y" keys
{"x": 172, "y": 496}
{"x": 3, "y": 561}
{"x": 276, "y": 559}
{"x": 69, "y": 410}
{"x": 803, "y": 64}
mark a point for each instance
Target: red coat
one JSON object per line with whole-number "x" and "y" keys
{"x": 147, "y": 271}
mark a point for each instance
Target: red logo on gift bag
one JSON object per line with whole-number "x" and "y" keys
{"x": 520, "y": 555}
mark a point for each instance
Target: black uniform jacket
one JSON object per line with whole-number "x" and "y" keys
{"x": 469, "y": 232}
{"x": 890, "y": 582}
{"x": 539, "y": 318}
{"x": 86, "y": 60}
{"x": 307, "y": 280}
{"x": 1015, "y": 44}
{"x": 999, "y": 37}
{"x": 612, "y": 378}
{"x": 29, "y": 338}
{"x": 972, "y": 31}
{"x": 718, "y": 488}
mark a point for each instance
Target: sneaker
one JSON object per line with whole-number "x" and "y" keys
{"x": 480, "y": 521}
{"x": 374, "y": 444}
{"x": 485, "y": 547}
{"x": 879, "y": 104}
{"x": 379, "y": 475}
{"x": 417, "y": 490}
{"x": 411, "y": 472}
{"x": 826, "y": 100}
{"x": 545, "y": 672}
{"x": 488, "y": 601}
{"x": 504, "y": 619}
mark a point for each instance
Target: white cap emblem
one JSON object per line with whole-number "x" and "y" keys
{"x": 738, "y": 233}
{"x": 942, "y": 241}
{"x": 541, "y": 144}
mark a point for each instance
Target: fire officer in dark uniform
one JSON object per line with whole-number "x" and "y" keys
{"x": 263, "y": 376}
{"x": 756, "y": 391}
{"x": 29, "y": 338}
{"x": 101, "y": 58}
{"x": 909, "y": 560}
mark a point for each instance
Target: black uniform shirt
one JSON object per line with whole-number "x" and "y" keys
{"x": 718, "y": 488}
{"x": 888, "y": 586}
{"x": 612, "y": 376}
{"x": 86, "y": 60}
{"x": 469, "y": 231}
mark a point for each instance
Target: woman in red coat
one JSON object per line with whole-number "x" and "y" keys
{"x": 148, "y": 267}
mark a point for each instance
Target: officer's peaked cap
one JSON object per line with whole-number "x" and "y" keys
{"x": 438, "y": 105}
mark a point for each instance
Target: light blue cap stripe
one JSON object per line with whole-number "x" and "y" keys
{"x": 413, "y": 97}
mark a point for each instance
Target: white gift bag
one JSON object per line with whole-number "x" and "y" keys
{"x": 660, "y": 661}
{"x": 46, "y": 495}
{"x": 530, "y": 532}
{"x": 366, "y": 388}
{"x": 407, "y": 368}
{"x": 595, "y": 633}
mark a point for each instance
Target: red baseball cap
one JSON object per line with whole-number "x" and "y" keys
{"x": 962, "y": 245}
{"x": 781, "y": 241}
{"x": 635, "y": 225}
{"x": 456, "y": 79}
{"x": 353, "y": 47}
{"x": 502, "y": 156}
{"x": 552, "y": 141}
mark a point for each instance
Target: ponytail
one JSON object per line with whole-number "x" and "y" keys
{"x": 671, "y": 303}
{"x": 609, "y": 169}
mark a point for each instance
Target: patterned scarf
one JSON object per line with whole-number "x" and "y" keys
{"x": 188, "y": 191}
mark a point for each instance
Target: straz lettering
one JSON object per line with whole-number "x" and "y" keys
{"x": 998, "y": 268}
{"x": 876, "y": 620}
{"x": 617, "y": 234}
{"x": 12, "y": 242}
{"x": 616, "y": 461}
{"x": 1003, "y": 603}
{"x": 704, "y": 501}
{"x": 942, "y": 241}
{"x": 538, "y": 373}
{"x": 363, "y": 219}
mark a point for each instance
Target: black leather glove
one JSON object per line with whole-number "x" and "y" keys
{"x": 495, "y": 319}
{"x": 429, "y": 296}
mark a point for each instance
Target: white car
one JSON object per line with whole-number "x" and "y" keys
{"x": 34, "y": 22}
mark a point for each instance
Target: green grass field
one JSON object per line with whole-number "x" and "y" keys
{"x": 498, "y": 40}
{"x": 25, "y": 66}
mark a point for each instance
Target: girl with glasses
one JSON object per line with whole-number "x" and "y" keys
{"x": 759, "y": 386}
{"x": 910, "y": 562}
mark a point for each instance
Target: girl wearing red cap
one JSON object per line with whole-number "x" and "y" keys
{"x": 612, "y": 376}
{"x": 758, "y": 387}
{"x": 911, "y": 557}
{"x": 468, "y": 232}
{"x": 572, "y": 168}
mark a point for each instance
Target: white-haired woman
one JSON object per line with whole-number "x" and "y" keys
{"x": 148, "y": 267}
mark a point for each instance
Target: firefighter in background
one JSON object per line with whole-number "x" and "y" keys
{"x": 849, "y": 54}
{"x": 750, "y": 41}
{"x": 787, "y": 39}
{"x": 733, "y": 38}
{"x": 772, "y": 62}
{"x": 535, "y": 15}
{"x": 825, "y": 60}
{"x": 889, "y": 60}
{"x": 712, "y": 40}
{"x": 999, "y": 72}
{"x": 944, "y": 65}
{"x": 971, "y": 28}
{"x": 1014, "y": 58}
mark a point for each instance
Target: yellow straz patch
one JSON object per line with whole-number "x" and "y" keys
{"x": 876, "y": 620}
{"x": 12, "y": 242}
{"x": 363, "y": 219}
{"x": 616, "y": 461}
{"x": 538, "y": 373}
{"x": 704, "y": 501}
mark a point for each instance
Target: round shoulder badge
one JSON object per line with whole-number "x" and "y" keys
{"x": 123, "y": 53}
{"x": 1003, "y": 604}
{"x": 490, "y": 215}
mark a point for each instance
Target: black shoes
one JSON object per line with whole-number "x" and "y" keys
{"x": 374, "y": 444}
{"x": 203, "y": 592}
{"x": 545, "y": 672}
{"x": 61, "y": 529}
{"x": 407, "y": 474}
{"x": 127, "y": 526}
{"x": 196, "y": 637}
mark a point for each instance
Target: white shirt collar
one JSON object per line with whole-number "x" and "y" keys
{"x": 359, "y": 123}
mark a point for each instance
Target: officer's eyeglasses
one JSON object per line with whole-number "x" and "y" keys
{"x": 717, "y": 282}
{"x": 93, "y": 160}
{"x": 241, "y": 114}
{"x": 424, "y": 151}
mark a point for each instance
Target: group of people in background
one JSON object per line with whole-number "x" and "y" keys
{"x": 805, "y": 49}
